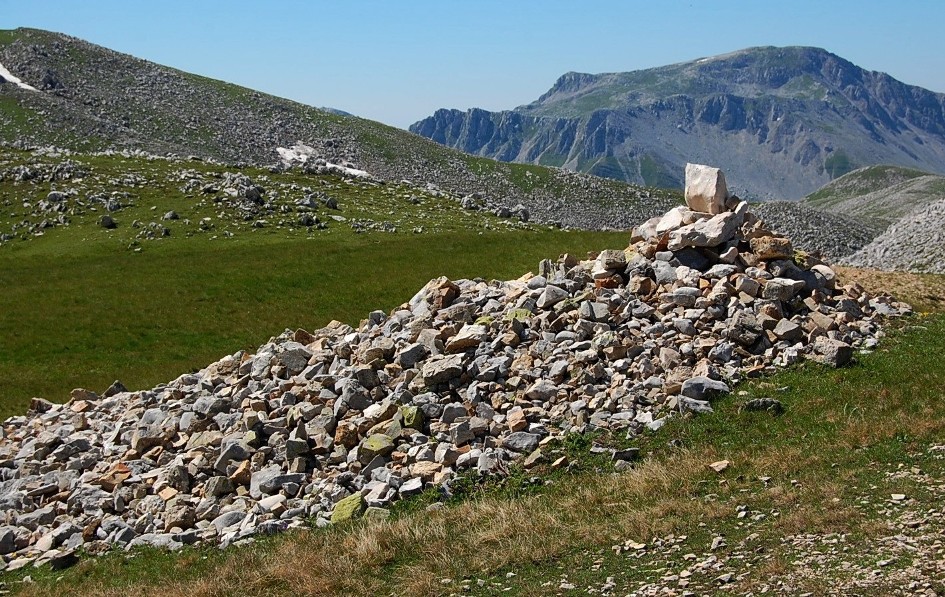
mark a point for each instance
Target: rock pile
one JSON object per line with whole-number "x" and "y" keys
{"x": 468, "y": 375}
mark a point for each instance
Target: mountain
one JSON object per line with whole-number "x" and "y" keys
{"x": 89, "y": 98}
{"x": 879, "y": 194}
{"x": 780, "y": 122}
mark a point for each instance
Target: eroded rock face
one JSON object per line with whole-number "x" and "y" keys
{"x": 467, "y": 375}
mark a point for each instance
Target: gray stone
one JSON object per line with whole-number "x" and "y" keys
{"x": 442, "y": 369}
{"x": 295, "y": 447}
{"x": 411, "y": 487}
{"x": 179, "y": 515}
{"x": 411, "y": 355}
{"x": 228, "y": 519}
{"x": 7, "y": 539}
{"x": 543, "y": 389}
{"x": 612, "y": 259}
{"x": 233, "y": 451}
{"x": 354, "y": 395}
{"x": 594, "y": 311}
{"x": 711, "y": 232}
{"x": 783, "y": 289}
{"x": 703, "y": 388}
{"x": 159, "y": 540}
{"x": 218, "y": 486}
{"x": 521, "y": 441}
{"x": 452, "y": 411}
{"x": 551, "y": 296}
{"x": 763, "y": 404}
{"x": 788, "y": 330}
{"x": 692, "y": 405}
{"x": 462, "y": 433}
{"x": 832, "y": 352}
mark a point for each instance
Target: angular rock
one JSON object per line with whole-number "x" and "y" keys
{"x": 703, "y": 388}
{"x": 706, "y": 190}
{"x": 521, "y": 441}
{"x": 551, "y": 296}
{"x": 772, "y": 247}
{"x": 470, "y": 336}
{"x": 788, "y": 330}
{"x": 832, "y": 352}
{"x": 376, "y": 445}
{"x": 442, "y": 369}
{"x": 711, "y": 232}
{"x": 349, "y": 508}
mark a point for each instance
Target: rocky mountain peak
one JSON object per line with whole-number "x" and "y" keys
{"x": 784, "y": 120}
{"x": 569, "y": 82}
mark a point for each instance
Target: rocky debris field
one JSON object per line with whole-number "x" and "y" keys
{"x": 835, "y": 236}
{"x": 467, "y": 377}
{"x": 145, "y": 198}
{"x": 914, "y": 243}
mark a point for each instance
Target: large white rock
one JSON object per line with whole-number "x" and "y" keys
{"x": 675, "y": 218}
{"x": 705, "y": 189}
{"x": 705, "y": 233}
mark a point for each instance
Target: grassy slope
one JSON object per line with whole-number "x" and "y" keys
{"x": 826, "y": 469}
{"x": 87, "y": 319}
{"x": 860, "y": 182}
{"x": 163, "y": 122}
{"x": 880, "y": 194}
{"x": 83, "y": 306}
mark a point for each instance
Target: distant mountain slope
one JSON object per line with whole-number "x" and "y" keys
{"x": 781, "y": 122}
{"x": 915, "y": 242}
{"x": 92, "y": 98}
{"x": 881, "y": 194}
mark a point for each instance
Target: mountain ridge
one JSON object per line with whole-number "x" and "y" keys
{"x": 881, "y": 194}
{"x": 782, "y": 121}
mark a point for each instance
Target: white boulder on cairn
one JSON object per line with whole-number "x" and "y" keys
{"x": 706, "y": 190}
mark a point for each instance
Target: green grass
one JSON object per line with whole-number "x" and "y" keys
{"x": 861, "y": 182}
{"x": 837, "y": 164}
{"x": 7, "y": 36}
{"x": 85, "y": 320}
{"x": 653, "y": 174}
{"x": 83, "y": 306}
{"x": 828, "y": 466}
{"x": 14, "y": 113}
{"x": 552, "y": 160}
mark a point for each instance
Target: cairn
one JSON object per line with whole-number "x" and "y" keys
{"x": 468, "y": 375}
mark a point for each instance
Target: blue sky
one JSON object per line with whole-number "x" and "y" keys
{"x": 397, "y": 61}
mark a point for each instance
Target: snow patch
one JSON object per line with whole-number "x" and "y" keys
{"x": 300, "y": 153}
{"x": 292, "y": 155}
{"x": 4, "y": 73}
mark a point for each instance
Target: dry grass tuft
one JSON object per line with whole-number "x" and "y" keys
{"x": 925, "y": 292}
